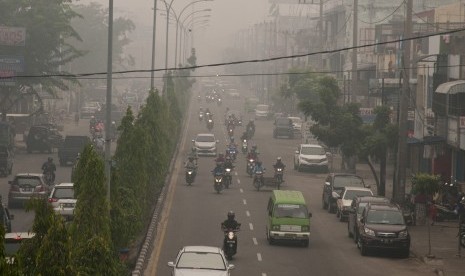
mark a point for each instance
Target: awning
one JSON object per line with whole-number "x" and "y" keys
{"x": 452, "y": 87}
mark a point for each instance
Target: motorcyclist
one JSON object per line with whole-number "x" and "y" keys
{"x": 253, "y": 153}
{"x": 194, "y": 154}
{"x": 228, "y": 163}
{"x": 232, "y": 144}
{"x": 49, "y": 167}
{"x": 220, "y": 159}
{"x": 279, "y": 164}
{"x": 251, "y": 126}
{"x": 258, "y": 167}
{"x": 230, "y": 223}
{"x": 244, "y": 136}
{"x": 191, "y": 164}
{"x": 219, "y": 169}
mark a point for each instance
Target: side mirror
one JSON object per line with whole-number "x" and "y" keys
{"x": 327, "y": 183}
{"x": 309, "y": 214}
{"x": 171, "y": 264}
{"x": 231, "y": 266}
{"x": 296, "y": 152}
{"x": 193, "y": 141}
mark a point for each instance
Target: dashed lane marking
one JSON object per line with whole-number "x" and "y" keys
{"x": 259, "y": 257}
{"x": 240, "y": 190}
{"x": 263, "y": 274}
{"x": 251, "y": 226}
{"x": 244, "y": 201}
{"x": 255, "y": 241}
{"x": 238, "y": 181}
{"x": 236, "y": 174}
{"x": 247, "y": 213}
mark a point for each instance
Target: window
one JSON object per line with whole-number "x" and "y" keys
{"x": 64, "y": 193}
{"x": 351, "y": 194}
{"x": 385, "y": 217}
{"x": 205, "y": 138}
{"x": 31, "y": 181}
{"x": 290, "y": 211}
{"x": 347, "y": 180}
{"x": 313, "y": 151}
{"x": 201, "y": 260}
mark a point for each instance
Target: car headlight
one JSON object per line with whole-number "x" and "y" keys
{"x": 369, "y": 232}
{"x": 228, "y": 169}
{"x": 189, "y": 172}
{"x": 275, "y": 227}
{"x": 403, "y": 234}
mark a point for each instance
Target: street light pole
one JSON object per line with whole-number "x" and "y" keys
{"x": 152, "y": 71}
{"x": 182, "y": 24}
{"x": 168, "y": 9}
{"x": 108, "y": 99}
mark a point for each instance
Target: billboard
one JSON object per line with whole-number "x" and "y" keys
{"x": 9, "y": 66}
{"x": 12, "y": 36}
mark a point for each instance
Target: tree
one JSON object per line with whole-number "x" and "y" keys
{"x": 48, "y": 28}
{"x": 380, "y": 138}
{"x": 91, "y": 249}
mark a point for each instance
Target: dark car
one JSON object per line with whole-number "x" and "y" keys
{"x": 382, "y": 226}
{"x": 356, "y": 210}
{"x": 72, "y": 146}
{"x": 335, "y": 184}
{"x": 43, "y": 138}
{"x": 6, "y": 160}
{"x": 283, "y": 127}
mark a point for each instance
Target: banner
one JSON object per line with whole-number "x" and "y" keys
{"x": 12, "y": 36}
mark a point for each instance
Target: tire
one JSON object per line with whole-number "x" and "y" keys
{"x": 330, "y": 208}
{"x": 305, "y": 243}
{"x": 462, "y": 239}
{"x": 323, "y": 204}
{"x": 271, "y": 241}
{"x": 363, "y": 250}
{"x": 405, "y": 253}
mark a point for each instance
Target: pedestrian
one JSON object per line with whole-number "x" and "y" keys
{"x": 433, "y": 212}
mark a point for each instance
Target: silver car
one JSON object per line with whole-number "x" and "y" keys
{"x": 310, "y": 156}
{"x": 63, "y": 200}
{"x": 205, "y": 144}
{"x": 200, "y": 260}
{"x": 25, "y": 186}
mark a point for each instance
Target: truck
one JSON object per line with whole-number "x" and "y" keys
{"x": 72, "y": 146}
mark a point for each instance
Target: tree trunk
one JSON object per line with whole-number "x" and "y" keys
{"x": 382, "y": 175}
{"x": 373, "y": 171}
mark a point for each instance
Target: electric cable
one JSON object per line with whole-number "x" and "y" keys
{"x": 382, "y": 20}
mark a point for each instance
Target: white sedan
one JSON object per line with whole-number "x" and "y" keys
{"x": 344, "y": 202}
{"x": 201, "y": 260}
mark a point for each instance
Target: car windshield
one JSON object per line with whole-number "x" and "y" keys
{"x": 208, "y": 138}
{"x": 347, "y": 180}
{"x": 201, "y": 260}
{"x": 65, "y": 193}
{"x": 385, "y": 217}
{"x": 351, "y": 194}
{"x": 31, "y": 181}
{"x": 312, "y": 151}
{"x": 290, "y": 211}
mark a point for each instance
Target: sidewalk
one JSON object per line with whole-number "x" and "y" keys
{"x": 444, "y": 241}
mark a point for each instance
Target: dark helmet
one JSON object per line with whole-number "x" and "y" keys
{"x": 231, "y": 215}
{"x": 232, "y": 139}
{"x": 50, "y": 159}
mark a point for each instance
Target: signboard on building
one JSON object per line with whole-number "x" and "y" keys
{"x": 12, "y": 36}
{"x": 9, "y": 66}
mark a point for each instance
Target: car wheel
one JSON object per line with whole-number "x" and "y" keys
{"x": 330, "y": 208}
{"x": 269, "y": 238}
{"x": 341, "y": 217}
{"x": 323, "y": 204}
{"x": 405, "y": 253}
{"x": 363, "y": 250}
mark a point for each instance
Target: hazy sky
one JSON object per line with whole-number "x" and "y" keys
{"x": 227, "y": 16}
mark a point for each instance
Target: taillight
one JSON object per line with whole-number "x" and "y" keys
{"x": 51, "y": 200}
{"x": 15, "y": 188}
{"x": 39, "y": 188}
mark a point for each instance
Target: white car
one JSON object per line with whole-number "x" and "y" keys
{"x": 205, "y": 144}
{"x": 310, "y": 156}
{"x": 201, "y": 260}
{"x": 296, "y": 124}
{"x": 345, "y": 200}
{"x": 63, "y": 200}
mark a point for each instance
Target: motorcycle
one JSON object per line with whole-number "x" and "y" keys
{"x": 250, "y": 132}
{"x": 245, "y": 147}
{"x": 278, "y": 176}
{"x": 230, "y": 241}
{"x": 227, "y": 177}
{"x": 219, "y": 102}
{"x": 250, "y": 166}
{"x": 230, "y": 132}
{"x": 258, "y": 180}
{"x": 199, "y": 99}
{"x": 445, "y": 212}
{"x": 48, "y": 176}
{"x": 190, "y": 176}
{"x": 200, "y": 116}
{"x": 218, "y": 182}
{"x": 232, "y": 152}
{"x": 209, "y": 124}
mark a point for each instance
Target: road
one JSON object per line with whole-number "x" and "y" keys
{"x": 32, "y": 163}
{"x": 192, "y": 215}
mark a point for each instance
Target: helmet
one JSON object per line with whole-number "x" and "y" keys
{"x": 232, "y": 139}
{"x": 231, "y": 215}
{"x": 50, "y": 159}
{"x": 92, "y": 117}
{"x": 113, "y": 123}
{"x": 278, "y": 159}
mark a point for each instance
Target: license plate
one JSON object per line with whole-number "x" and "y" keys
{"x": 27, "y": 190}
{"x": 67, "y": 205}
{"x": 386, "y": 241}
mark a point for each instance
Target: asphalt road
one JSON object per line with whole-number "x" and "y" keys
{"x": 192, "y": 215}
{"x": 32, "y": 163}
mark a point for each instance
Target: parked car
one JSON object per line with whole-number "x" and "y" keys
{"x": 201, "y": 260}
{"x": 72, "y": 146}
{"x": 5, "y": 217}
{"x": 383, "y": 227}
{"x": 310, "y": 156}
{"x": 349, "y": 193}
{"x": 283, "y": 127}
{"x": 63, "y": 200}
{"x": 335, "y": 184}
{"x": 12, "y": 243}
{"x": 25, "y": 186}
{"x": 43, "y": 138}
{"x": 205, "y": 143}
{"x": 356, "y": 210}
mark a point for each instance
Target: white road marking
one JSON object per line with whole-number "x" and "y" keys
{"x": 259, "y": 257}
{"x": 255, "y": 241}
{"x": 251, "y": 226}
{"x": 245, "y": 202}
{"x": 263, "y": 274}
{"x": 240, "y": 190}
{"x": 247, "y": 213}
{"x": 238, "y": 181}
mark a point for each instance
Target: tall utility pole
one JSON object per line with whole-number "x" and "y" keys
{"x": 108, "y": 99}
{"x": 321, "y": 33}
{"x": 353, "y": 74}
{"x": 399, "y": 185}
{"x": 152, "y": 71}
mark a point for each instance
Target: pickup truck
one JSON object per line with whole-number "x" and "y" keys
{"x": 72, "y": 146}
